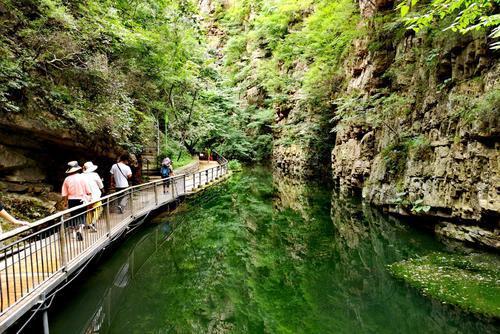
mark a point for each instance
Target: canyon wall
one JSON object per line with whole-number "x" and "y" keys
{"x": 407, "y": 119}
{"x": 428, "y": 142}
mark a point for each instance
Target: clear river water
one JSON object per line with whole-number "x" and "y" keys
{"x": 261, "y": 253}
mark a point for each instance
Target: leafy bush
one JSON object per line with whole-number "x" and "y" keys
{"x": 470, "y": 109}
{"x": 176, "y": 152}
{"x": 234, "y": 165}
{"x": 395, "y": 157}
{"x": 464, "y": 15}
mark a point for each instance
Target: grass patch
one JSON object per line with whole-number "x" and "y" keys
{"x": 235, "y": 165}
{"x": 184, "y": 160}
{"x": 471, "y": 282}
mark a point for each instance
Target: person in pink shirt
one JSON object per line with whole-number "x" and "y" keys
{"x": 76, "y": 191}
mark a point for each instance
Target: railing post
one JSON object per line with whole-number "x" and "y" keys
{"x": 173, "y": 187}
{"x": 131, "y": 199}
{"x": 108, "y": 218}
{"x": 155, "y": 185}
{"x": 45, "y": 315}
{"x": 62, "y": 244}
{"x": 184, "y": 181}
{"x": 194, "y": 180}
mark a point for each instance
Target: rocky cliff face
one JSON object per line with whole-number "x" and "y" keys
{"x": 33, "y": 157}
{"x": 414, "y": 115}
{"x": 302, "y": 137}
{"x": 431, "y": 148}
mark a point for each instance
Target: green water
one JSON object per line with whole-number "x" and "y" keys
{"x": 261, "y": 254}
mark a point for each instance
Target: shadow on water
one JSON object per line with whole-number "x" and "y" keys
{"x": 262, "y": 253}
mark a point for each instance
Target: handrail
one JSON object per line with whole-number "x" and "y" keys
{"x": 31, "y": 256}
{"x": 220, "y": 158}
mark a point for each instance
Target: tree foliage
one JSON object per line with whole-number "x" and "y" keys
{"x": 466, "y": 15}
{"x": 122, "y": 71}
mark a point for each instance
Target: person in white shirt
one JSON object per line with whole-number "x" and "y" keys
{"x": 95, "y": 184}
{"x": 120, "y": 175}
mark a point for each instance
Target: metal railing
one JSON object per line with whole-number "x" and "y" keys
{"x": 31, "y": 256}
{"x": 208, "y": 175}
{"x": 219, "y": 158}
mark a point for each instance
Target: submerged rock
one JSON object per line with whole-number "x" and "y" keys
{"x": 470, "y": 282}
{"x": 473, "y": 234}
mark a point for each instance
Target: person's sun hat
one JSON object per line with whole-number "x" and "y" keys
{"x": 73, "y": 167}
{"x": 166, "y": 161}
{"x": 89, "y": 167}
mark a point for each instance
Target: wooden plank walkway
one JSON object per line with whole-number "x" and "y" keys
{"x": 35, "y": 262}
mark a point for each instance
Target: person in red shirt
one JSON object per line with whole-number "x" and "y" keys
{"x": 76, "y": 191}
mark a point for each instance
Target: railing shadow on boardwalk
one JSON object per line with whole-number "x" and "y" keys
{"x": 35, "y": 260}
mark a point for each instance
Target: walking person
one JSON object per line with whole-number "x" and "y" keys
{"x": 75, "y": 191}
{"x": 166, "y": 171}
{"x": 120, "y": 175}
{"x": 8, "y": 217}
{"x": 96, "y": 185}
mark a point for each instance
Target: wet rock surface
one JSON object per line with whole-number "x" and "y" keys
{"x": 454, "y": 171}
{"x": 438, "y": 157}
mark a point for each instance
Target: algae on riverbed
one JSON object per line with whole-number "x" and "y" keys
{"x": 471, "y": 282}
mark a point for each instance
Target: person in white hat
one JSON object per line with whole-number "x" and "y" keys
{"x": 76, "y": 192}
{"x": 95, "y": 183}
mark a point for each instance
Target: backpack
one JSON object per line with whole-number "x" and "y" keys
{"x": 164, "y": 171}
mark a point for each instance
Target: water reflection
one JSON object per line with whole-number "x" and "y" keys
{"x": 100, "y": 296}
{"x": 267, "y": 253}
{"x": 365, "y": 242}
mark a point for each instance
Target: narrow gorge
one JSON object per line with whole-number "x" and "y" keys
{"x": 409, "y": 120}
{"x": 362, "y": 140}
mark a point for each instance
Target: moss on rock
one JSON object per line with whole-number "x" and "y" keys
{"x": 471, "y": 282}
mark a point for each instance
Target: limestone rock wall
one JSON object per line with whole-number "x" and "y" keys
{"x": 441, "y": 157}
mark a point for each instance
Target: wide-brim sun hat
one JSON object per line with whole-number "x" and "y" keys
{"x": 73, "y": 167}
{"x": 89, "y": 167}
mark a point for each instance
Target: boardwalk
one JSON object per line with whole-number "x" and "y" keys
{"x": 35, "y": 260}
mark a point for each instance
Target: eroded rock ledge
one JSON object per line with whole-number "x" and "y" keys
{"x": 441, "y": 158}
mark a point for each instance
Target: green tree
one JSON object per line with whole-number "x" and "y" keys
{"x": 466, "y": 15}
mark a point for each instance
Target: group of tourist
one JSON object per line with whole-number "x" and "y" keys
{"x": 84, "y": 185}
